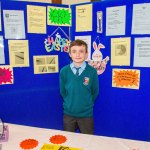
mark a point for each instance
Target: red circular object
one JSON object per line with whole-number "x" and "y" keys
{"x": 29, "y": 144}
{"x": 58, "y": 139}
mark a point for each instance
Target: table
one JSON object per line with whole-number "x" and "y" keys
{"x": 18, "y": 133}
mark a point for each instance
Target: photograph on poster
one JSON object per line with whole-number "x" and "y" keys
{"x": 120, "y": 51}
{"x": 45, "y": 64}
{"x": 18, "y": 53}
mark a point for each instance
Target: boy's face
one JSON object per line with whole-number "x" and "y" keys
{"x": 78, "y": 54}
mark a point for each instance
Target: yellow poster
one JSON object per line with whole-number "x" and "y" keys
{"x": 57, "y": 147}
{"x": 36, "y": 18}
{"x": 84, "y": 18}
{"x": 120, "y": 51}
{"x": 126, "y": 78}
{"x": 18, "y": 53}
{"x": 45, "y": 64}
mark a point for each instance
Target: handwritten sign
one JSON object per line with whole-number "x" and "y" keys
{"x": 126, "y": 78}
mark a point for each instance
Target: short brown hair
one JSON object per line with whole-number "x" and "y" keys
{"x": 78, "y": 42}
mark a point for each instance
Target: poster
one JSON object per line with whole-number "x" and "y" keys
{"x": 0, "y": 18}
{"x": 2, "y": 57}
{"x": 59, "y": 16}
{"x": 142, "y": 52}
{"x": 14, "y": 24}
{"x": 45, "y": 64}
{"x": 126, "y": 78}
{"x": 99, "y": 22}
{"x": 120, "y": 51}
{"x": 18, "y": 53}
{"x": 141, "y": 19}
{"x": 36, "y": 19}
{"x": 115, "y": 20}
{"x": 6, "y": 75}
{"x": 84, "y": 18}
{"x": 57, "y": 147}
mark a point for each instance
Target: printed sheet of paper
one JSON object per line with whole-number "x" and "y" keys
{"x": 36, "y": 18}
{"x": 18, "y": 53}
{"x": 142, "y": 52}
{"x": 6, "y": 75}
{"x": 141, "y": 19}
{"x": 59, "y": 16}
{"x": 86, "y": 39}
{"x": 126, "y": 78}
{"x": 14, "y": 24}
{"x": 0, "y": 18}
{"x": 84, "y": 18}
{"x": 115, "y": 20}
{"x": 45, "y": 64}
{"x": 120, "y": 51}
{"x": 2, "y": 57}
{"x": 57, "y": 147}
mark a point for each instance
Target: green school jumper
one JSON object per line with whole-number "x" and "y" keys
{"x": 79, "y": 92}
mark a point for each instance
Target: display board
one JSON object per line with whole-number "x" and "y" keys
{"x": 120, "y": 31}
{"x": 29, "y": 94}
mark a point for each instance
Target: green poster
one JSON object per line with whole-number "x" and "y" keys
{"x": 59, "y": 16}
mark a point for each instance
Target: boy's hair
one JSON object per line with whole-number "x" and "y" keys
{"x": 78, "y": 42}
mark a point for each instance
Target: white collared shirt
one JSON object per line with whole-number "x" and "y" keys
{"x": 82, "y": 67}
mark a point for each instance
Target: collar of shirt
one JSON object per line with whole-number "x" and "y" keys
{"x": 82, "y": 67}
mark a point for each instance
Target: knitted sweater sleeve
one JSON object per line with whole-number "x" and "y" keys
{"x": 95, "y": 86}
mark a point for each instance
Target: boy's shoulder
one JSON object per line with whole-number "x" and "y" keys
{"x": 64, "y": 68}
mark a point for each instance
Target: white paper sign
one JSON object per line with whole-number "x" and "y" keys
{"x": 14, "y": 24}
{"x": 142, "y": 52}
{"x": 141, "y": 19}
{"x": 115, "y": 20}
{"x": 2, "y": 58}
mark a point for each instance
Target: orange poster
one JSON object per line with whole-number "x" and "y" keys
{"x": 126, "y": 78}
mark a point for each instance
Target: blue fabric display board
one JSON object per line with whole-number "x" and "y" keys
{"x": 33, "y": 99}
{"x": 118, "y": 112}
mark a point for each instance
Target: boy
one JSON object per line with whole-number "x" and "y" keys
{"x": 79, "y": 87}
